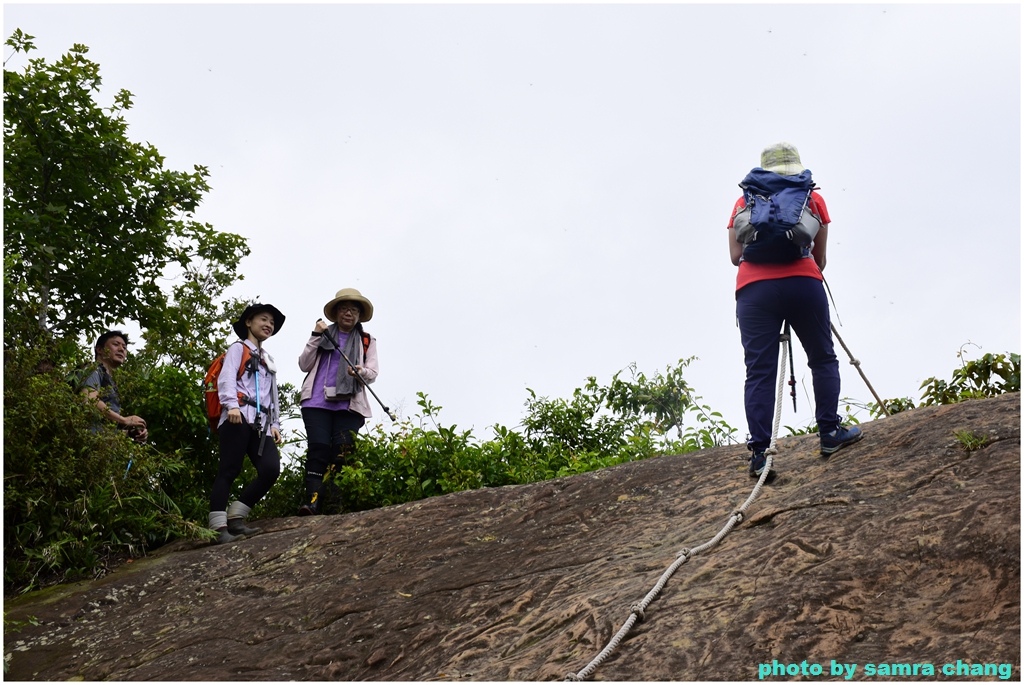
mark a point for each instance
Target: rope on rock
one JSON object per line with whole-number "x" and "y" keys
{"x": 637, "y": 611}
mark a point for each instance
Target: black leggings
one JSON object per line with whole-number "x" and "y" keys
{"x": 331, "y": 438}
{"x": 236, "y": 441}
{"x": 330, "y": 435}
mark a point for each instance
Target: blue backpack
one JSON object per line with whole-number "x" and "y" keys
{"x": 776, "y": 226}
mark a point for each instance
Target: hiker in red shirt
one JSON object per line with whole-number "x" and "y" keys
{"x": 779, "y": 290}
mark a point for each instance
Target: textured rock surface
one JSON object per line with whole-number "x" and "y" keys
{"x": 902, "y": 549}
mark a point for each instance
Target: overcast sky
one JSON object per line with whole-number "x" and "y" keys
{"x": 534, "y": 194}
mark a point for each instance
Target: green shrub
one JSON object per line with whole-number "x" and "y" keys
{"x": 970, "y": 441}
{"x": 599, "y": 426}
{"x": 988, "y": 376}
{"x": 75, "y": 497}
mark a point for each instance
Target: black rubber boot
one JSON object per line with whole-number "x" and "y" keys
{"x": 313, "y": 483}
{"x": 317, "y": 459}
{"x": 311, "y": 509}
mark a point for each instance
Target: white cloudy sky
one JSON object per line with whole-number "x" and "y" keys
{"x": 533, "y": 194}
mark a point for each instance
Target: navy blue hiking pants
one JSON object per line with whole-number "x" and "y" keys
{"x": 761, "y": 309}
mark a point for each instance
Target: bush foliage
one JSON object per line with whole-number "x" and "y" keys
{"x": 598, "y": 426}
{"x": 987, "y": 376}
{"x": 76, "y": 497}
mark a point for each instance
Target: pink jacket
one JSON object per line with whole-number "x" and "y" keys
{"x": 310, "y": 359}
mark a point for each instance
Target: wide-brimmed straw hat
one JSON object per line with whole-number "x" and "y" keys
{"x": 252, "y": 310}
{"x": 782, "y": 158}
{"x": 350, "y": 295}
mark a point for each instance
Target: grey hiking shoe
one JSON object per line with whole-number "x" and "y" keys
{"x": 224, "y": 537}
{"x": 236, "y": 526}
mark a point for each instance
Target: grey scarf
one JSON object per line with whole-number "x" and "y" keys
{"x": 345, "y": 385}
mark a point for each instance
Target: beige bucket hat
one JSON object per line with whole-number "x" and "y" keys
{"x": 349, "y": 295}
{"x": 782, "y": 158}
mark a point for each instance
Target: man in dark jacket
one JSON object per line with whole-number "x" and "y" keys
{"x": 99, "y": 386}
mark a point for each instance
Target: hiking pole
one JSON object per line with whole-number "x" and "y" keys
{"x": 856, "y": 362}
{"x": 260, "y": 420}
{"x": 788, "y": 339}
{"x": 366, "y": 385}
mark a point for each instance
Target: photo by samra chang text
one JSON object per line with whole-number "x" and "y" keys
{"x": 957, "y": 670}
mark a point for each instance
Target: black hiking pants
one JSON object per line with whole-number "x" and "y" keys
{"x": 237, "y": 440}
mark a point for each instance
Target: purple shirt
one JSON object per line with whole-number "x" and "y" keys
{"x": 326, "y": 375}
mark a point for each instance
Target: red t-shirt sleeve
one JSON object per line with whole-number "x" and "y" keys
{"x": 740, "y": 204}
{"x": 817, "y": 206}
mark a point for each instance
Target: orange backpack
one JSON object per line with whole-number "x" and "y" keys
{"x": 210, "y": 390}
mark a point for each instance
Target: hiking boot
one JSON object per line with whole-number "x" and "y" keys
{"x": 838, "y": 439}
{"x": 757, "y": 463}
{"x": 236, "y": 526}
{"x": 308, "y": 509}
{"x": 224, "y": 537}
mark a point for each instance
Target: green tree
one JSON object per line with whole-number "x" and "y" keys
{"x": 664, "y": 401}
{"x": 94, "y": 226}
{"x": 78, "y": 192}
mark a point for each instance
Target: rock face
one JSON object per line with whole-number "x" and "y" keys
{"x": 902, "y": 550}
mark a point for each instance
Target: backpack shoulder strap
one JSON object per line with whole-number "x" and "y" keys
{"x": 246, "y": 354}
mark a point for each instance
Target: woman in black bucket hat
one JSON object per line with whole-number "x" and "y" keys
{"x": 247, "y": 388}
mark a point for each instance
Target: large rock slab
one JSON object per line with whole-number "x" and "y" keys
{"x": 903, "y": 549}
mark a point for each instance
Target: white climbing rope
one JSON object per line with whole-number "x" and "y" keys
{"x": 636, "y": 611}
